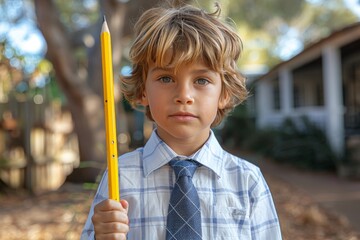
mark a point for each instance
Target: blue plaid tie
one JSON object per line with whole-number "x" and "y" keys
{"x": 184, "y": 216}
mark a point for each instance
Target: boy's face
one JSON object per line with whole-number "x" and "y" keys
{"x": 183, "y": 104}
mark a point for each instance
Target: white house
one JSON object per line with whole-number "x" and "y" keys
{"x": 322, "y": 82}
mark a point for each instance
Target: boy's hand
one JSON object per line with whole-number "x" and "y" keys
{"x": 110, "y": 219}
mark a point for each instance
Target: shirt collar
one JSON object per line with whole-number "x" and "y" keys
{"x": 157, "y": 153}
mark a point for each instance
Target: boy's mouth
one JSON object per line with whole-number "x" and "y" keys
{"x": 183, "y": 116}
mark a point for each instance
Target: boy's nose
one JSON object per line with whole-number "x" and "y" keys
{"x": 184, "y": 95}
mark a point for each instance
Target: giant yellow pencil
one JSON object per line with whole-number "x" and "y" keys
{"x": 109, "y": 109}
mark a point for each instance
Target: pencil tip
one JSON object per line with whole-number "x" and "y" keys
{"x": 105, "y": 27}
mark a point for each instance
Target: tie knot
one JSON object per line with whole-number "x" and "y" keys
{"x": 184, "y": 167}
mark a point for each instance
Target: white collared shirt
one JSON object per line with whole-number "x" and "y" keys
{"x": 235, "y": 200}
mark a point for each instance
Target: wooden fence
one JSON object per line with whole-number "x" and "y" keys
{"x": 38, "y": 148}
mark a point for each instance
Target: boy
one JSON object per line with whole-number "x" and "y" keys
{"x": 184, "y": 73}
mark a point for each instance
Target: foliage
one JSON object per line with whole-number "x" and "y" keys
{"x": 237, "y": 127}
{"x": 319, "y": 19}
{"x": 78, "y": 14}
{"x": 303, "y": 144}
{"x": 23, "y": 70}
{"x": 300, "y": 143}
{"x": 277, "y": 30}
{"x": 258, "y": 13}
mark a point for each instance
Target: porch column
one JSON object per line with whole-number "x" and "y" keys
{"x": 333, "y": 98}
{"x": 263, "y": 102}
{"x": 286, "y": 91}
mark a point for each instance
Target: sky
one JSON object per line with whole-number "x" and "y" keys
{"x": 24, "y": 36}
{"x": 27, "y": 38}
{"x": 352, "y": 4}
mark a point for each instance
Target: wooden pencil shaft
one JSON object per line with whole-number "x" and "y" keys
{"x": 109, "y": 111}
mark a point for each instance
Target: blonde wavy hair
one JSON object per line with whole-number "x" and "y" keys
{"x": 190, "y": 34}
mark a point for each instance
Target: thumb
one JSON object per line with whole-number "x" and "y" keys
{"x": 124, "y": 204}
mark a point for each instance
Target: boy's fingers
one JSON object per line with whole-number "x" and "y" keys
{"x": 125, "y": 205}
{"x": 108, "y": 205}
{"x": 111, "y": 216}
{"x": 110, "y": 219}
{"x": 113, "y": 227}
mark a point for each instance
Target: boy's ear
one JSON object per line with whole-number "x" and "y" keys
{"x": 144, "y": 100}
{"x": 224, "y": 100}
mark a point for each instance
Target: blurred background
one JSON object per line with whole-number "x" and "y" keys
{"x": 301, "y": 123}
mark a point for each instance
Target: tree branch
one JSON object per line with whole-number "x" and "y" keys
{"x": 59, "y": 50}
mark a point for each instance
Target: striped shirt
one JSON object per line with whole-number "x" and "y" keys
{"x": 235, "y": 200}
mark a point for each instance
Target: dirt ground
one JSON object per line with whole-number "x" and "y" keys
{"x": 61, "y": 215}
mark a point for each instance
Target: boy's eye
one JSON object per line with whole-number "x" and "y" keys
{"x": 165, "y": 79}
{"x": 202, "y": 81}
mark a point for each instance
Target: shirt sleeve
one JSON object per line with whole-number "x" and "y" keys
{"x": 263, "y": 217}
{"x": 101, "y": 194}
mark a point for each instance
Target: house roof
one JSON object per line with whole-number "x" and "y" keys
{"x": 337, "y": 38}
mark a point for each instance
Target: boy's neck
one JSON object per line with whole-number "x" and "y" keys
{"x": 184, "y": 147}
